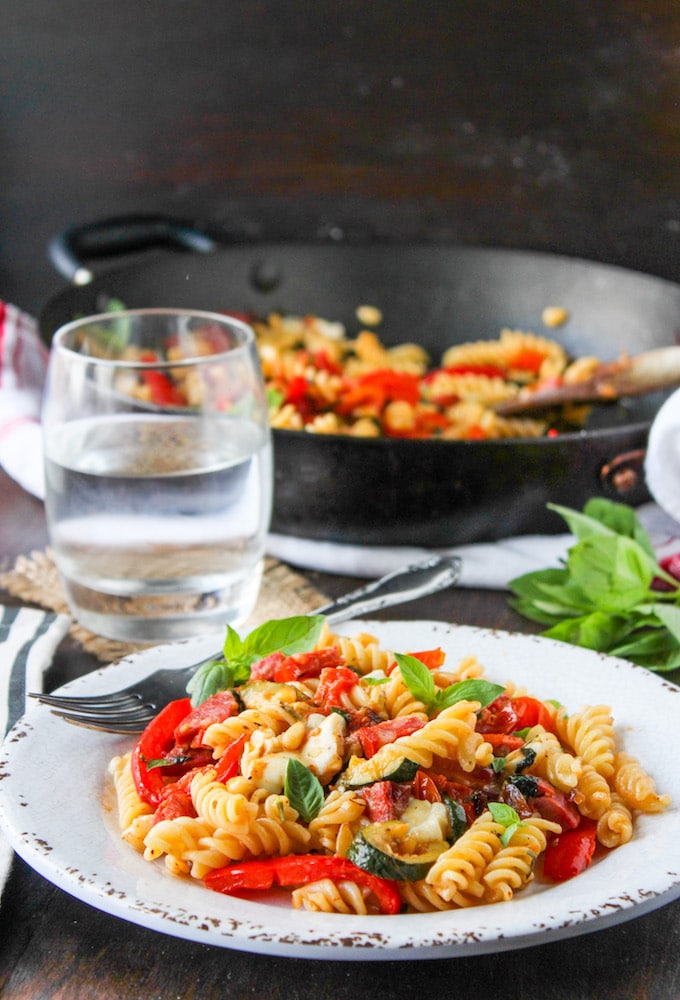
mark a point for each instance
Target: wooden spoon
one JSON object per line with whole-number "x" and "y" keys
{"x": 647, "y": 372}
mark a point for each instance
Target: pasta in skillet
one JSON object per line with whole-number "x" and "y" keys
{"x": 368, "y": 781}
{"x": 322, "y": 380}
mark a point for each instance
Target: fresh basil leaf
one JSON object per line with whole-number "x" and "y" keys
{"x": 653, "y": 641}
{"x": 211, "y": 677}
{"x": 472, "y": 689}
{"x": 595, "y": 631}
{"x": 457, "y": 818}
{"x": 298, "y": 634}
{"x": 508, "y": 817}
{"x": 303, "y": 790}
{"x": 164, "y": 761}
{"x": 614, "y": 571}
{"x": 660, "y": 664}
{"x": 567, "y": 600}
{"x": 535, "y": 612}
{"x": 547, "y": 596}
{"x": 375, "y": 681}
{"x": 503, "y": 813}
{"x": 531, "y": 584}
{"x": 668, "y": 615}
{"x": 274, "y": 398}
{"x": 579, "y": 523}
{"x": 416, "y": 677}
{"x": 498, "y": 763}
{"x": 508, "y": 833}
{"x": 233, "y": 644}
{"x": 420, "y": 683}
{"x": 621, "y": 518}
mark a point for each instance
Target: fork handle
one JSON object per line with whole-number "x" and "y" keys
{"x": 407, "y": 584}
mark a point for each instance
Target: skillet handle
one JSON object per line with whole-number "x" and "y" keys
{"x": 120, "y": 235}
{"x": 623, "y": 477}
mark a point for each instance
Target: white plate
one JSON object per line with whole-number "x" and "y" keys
{"x": 56, "y": 809}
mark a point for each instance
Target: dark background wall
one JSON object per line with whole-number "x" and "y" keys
{"x": 549, "y": 125}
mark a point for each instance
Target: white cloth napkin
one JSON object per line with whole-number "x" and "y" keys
{"x": 23, "y": 363}
{"x": 28, "y": 640}
{"x": 488, "y": 565}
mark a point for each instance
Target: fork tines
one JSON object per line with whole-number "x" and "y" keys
{"x": 110, "y": 724}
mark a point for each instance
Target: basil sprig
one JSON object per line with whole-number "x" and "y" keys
{"x": 303, "y": 790}
{"x": 420, "y": 683}
{"x": 287, "y": 635}
{"x": 604, "y": 597}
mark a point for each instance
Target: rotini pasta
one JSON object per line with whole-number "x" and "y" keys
{"x": 321, "y": 380}
{"x": 363, "y": 780}
{"x": 635, "y": 787}
{"x": 457, "y": 874}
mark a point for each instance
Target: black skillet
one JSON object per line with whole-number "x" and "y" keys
{"x": 401, "y": 492}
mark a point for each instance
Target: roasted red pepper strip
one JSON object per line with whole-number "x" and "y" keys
{"x": 500, "y": 716}
{"x": 156, "y": 740}
{"x": 301, "y": 869}
{"x": 532, "y": 712}
{"x": 432, "y": 658}
{"x": 425, "y": 787}
{"x": 230, "y": 762}
{"x": 528, "y": 359}
{"x": 334, "y": 682}
{"x": 372, "y": 738}
{"x": 489, "y": 371}
{"x": 503, "y": 743}
{"x": 571, "y": 852}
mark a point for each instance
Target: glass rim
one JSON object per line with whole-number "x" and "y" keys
{"x": 243, "y": 329}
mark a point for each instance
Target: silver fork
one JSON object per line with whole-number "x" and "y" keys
{"x": 132, "y": 708}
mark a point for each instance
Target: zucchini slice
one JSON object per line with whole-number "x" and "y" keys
{"x": 378, "y": 848}
{"x": 360, "y": 771}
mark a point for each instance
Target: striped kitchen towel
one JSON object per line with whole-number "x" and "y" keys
{"x": 28, "y": 640}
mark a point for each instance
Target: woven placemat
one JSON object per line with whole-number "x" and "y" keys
{"x": 34, "y": 578}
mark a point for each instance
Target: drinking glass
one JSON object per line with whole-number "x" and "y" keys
{"x": 158, "y": 471}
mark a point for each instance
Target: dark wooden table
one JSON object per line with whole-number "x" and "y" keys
{"x": 52, "y": 945}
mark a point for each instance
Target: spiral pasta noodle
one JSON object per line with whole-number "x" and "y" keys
{"x": 635, "y": 786}
{"x": 591, "y": 734}
{"x": 334, "y": 827}
{"x": 363, "y": 652}
{"x": 456, "y": 876}
{"x": 594, "y": 791}
{"x": 615, "y": 825}
{"x": 327, "y": 896}
{"x": 513, "y": 866}
{"x": 130, "y": 806}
